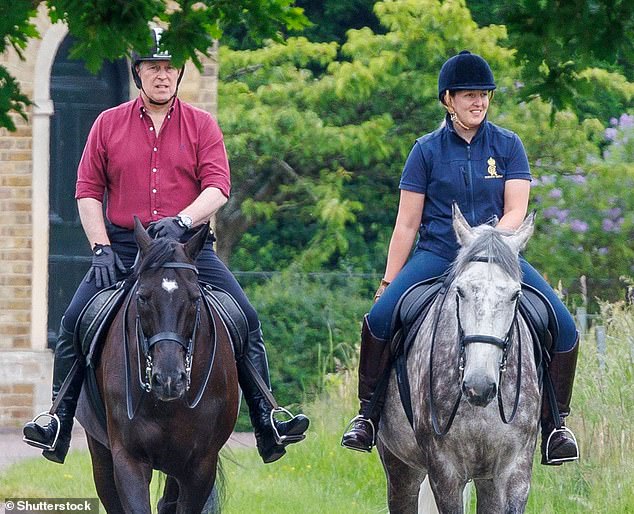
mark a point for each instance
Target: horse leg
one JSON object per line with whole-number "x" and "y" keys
{"x": 167, "y": 503}
{"x": 507, "y": 493}
{"x": 133, "y": 482}
{"x": 103, "y": 475}
{"x": 448, "y": 490}
{"x": 403, "y": 482}
{"x": 195, "y": 494}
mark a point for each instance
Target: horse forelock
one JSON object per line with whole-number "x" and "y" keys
{"x": 161, "y": 251}
{"x": 490, "y": 244}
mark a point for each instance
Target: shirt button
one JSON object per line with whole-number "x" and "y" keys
{"x": 153, "y": 170}
{"x": 154, "y": 190}
{"x": 155, "y": 149}
{"x": 154, "y": 212}
{"x": 151, "y": 128}
{"x": 168, "y": 116}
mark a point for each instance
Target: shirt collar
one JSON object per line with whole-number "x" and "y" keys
{"x": 142, "y": 110}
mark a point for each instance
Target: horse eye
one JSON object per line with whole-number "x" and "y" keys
{"x": 141, "y": 298}
{"x": 516, "y": 295}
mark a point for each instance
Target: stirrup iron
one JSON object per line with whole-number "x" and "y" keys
{"x": 562, "y": 430}
{"x": 37, "y": 444}
{"x": 284, "y": 439}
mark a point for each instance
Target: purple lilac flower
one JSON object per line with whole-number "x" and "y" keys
{"x": 614, "y": 212}
{"x": 610, "y": 133}
{"x": 614, "y": 122}
{"x": 626, "y": 121}
{"x": 548, "y": 179}
{"x": 555, "y": 193}
{"x": 602, "y": 251}
{"x": 608, "y": 225}
{"x": 578, "y": 179}
{"x": 578, "y": 226}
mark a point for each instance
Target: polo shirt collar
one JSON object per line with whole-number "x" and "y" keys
{"x": 142, "y": 110}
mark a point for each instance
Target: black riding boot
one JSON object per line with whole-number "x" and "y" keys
{"x": 559, "y": 445}
{"x": 373, "y": 366}
{"x": 44, "y": 436}
{"x": 271, "y": 435}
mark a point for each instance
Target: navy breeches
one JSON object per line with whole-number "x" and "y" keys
{"x": 424, "y": 265}
{"x": 210, "y": 268}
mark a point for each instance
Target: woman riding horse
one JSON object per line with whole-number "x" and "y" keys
{"x": 483, "y": 168}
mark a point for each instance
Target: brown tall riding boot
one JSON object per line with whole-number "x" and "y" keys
{"x": 559, "y": 444}
{"x": 373, "y": 366}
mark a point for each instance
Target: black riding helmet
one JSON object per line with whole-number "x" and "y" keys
{"x": 156, "y": 53}
{"x": 465, "y": 71}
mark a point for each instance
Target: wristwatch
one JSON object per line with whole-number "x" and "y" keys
{"x": 185, "y": 221}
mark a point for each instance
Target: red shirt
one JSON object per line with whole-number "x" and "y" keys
{"x": 148, "y": 176}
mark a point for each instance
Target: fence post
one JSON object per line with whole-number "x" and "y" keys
{"x": 599, "y": 332}
{"x": 582, "y": 319}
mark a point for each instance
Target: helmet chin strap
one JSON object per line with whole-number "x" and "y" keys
{"x": 453, "y": 114}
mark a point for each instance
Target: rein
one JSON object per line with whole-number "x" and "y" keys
{"x": 464, "y": 341}
{"x": 145, "y": 344}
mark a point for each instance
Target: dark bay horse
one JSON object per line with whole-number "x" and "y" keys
{"x": 472, "y": 347}
{"x": 168, "y": 379}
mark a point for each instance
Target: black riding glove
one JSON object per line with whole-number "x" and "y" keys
{"x": 105, "y": 263}
{"x": 167, "y": 227}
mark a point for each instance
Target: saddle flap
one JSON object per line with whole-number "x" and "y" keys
{"x": 231, "y": 313}
{"x": 95, "y": 319}
{"x": 539, "y": 313}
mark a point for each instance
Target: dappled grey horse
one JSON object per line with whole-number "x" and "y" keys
{"x": 472, "y": 347}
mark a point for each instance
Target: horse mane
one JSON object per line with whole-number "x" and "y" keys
{"x": 161, "y": 251}
{"x": 490, "y": 244}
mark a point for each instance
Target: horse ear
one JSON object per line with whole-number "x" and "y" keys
{"x": 520, "y": 237}
{"x": 464, "y": 232}
{"x": 196, "y": 243}
{"x": 143, "y": 240}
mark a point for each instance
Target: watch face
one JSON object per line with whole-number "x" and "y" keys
{"x": 186, "y": 220}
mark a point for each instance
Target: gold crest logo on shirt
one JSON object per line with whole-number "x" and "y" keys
{"x": 492, "y": 169}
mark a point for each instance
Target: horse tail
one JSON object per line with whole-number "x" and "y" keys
{"x": 217, "y": 497}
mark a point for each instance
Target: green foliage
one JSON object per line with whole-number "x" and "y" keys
{"x": 311, "y": 326}
{"x": 558, "y": 42}
{"x": 107, "y": 30}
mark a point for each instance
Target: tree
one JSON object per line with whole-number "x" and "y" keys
{"x": 104, "y": 29}
{"x": 561, "y": 44}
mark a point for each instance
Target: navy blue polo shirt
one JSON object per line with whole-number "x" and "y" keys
{"x": 445, "y": 168}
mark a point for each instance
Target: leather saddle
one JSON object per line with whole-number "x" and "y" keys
{"x": 415, "y": 303}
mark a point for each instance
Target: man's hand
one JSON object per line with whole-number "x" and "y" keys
{"x": 167, "y": 227}
{"x": 105, "y": 263}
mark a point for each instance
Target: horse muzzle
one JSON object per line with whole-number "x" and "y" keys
{"x": 479, "y": 392}
{"x": 169, "y": 386}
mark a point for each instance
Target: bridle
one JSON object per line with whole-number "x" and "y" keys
{"x": 463, "y": 341}
{"x": 144, "y": 345}
{"x": 148, "y": 343}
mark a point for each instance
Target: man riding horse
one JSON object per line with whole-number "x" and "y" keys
{"x": 163, "y": 160}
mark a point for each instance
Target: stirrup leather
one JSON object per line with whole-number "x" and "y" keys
{"x": 352, "y": 422}
{"x": 562, "y": 430}
{"x": 38, "y": 444}
{"x": 284, "y": 439}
